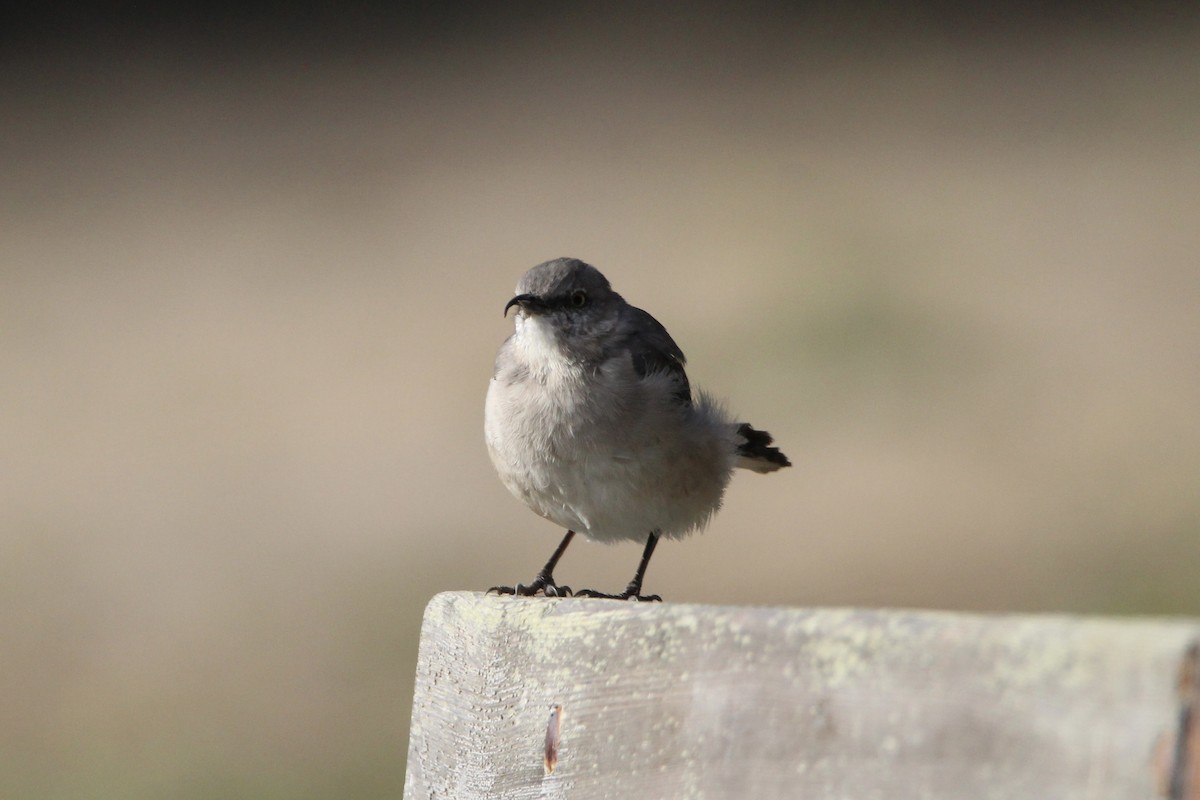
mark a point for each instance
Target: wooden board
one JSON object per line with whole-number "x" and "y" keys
{"x": 685, "y": 701}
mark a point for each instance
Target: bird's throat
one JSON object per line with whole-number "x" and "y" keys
{"x": 539, "y": 349}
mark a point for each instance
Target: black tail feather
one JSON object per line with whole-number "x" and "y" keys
{"x": 758, "y": 452}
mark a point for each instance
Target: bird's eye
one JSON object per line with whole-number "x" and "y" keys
{"x": 579, "y": 298}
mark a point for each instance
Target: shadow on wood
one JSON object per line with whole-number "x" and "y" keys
{"x": 533, "y": 698}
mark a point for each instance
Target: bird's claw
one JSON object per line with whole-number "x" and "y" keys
{"x": 543, "y": 585}
{"x": 625, "y": 595}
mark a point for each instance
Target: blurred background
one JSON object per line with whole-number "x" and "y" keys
{"x": 252, "y": 267}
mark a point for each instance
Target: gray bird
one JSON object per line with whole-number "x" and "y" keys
{"x": 591, "y": 422}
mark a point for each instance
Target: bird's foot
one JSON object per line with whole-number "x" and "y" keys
{"x": 630, "y": 593}
{"x": 542, "y": 584}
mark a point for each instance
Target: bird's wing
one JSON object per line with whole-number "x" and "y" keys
{"x": 653, "y": 350}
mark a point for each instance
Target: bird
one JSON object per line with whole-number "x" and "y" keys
{"x": 590, "y": 420}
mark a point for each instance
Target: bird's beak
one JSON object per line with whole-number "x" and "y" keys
{"x": 530, "y": 302}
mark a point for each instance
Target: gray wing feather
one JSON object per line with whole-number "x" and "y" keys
{"x": 653, "y": 350}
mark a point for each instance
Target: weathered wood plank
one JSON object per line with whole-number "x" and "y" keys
{"x": 685, "y": 701}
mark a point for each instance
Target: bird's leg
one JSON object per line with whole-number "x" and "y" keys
{"x": 544, "y": 582}
{"x": 634, "y": 590}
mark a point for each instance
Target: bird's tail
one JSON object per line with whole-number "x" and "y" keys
{"x": 756, "y": 452}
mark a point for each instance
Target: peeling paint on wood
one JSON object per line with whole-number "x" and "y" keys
{"x": 553, "y": 727}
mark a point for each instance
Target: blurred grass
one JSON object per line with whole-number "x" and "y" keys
{"x": 251, "y": 297}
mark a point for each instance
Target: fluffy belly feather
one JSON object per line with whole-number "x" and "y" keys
{"x": 605, "y": 467}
